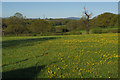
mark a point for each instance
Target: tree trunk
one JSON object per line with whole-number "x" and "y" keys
{"x": 16, "y": 34}
{"x": 87, "y": 29}
{"x": 87, "y": 26}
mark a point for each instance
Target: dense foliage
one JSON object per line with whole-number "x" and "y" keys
{"x": 19, "y": 25}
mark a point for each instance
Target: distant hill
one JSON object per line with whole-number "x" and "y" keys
{"x": 73, "y": 18}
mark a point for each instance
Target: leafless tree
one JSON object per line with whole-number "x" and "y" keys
{"x": 86, "y": 19}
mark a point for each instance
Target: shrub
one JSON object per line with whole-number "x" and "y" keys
{"x": 76, "y": 33}
{"x": 66, "y": 33}
{"x": 118, "y": 30}
{"x": 55, "y": 33}
{"x": 99, "y": 31}
{"x": 34, "y": 34}
{"x": 113, "y": 31}
{"x": 105, "y": 31}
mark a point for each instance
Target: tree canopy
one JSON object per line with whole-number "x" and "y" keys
{"x": 17, "y": 24}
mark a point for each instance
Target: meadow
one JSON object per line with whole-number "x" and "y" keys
{"x": 67, "y": 56}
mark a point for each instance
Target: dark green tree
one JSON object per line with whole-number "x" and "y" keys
{"x": 18, "y": 15}
{"x": 15, "y": 24}
{"x": 72, "y": 25}
{"x": 39, "y": 26}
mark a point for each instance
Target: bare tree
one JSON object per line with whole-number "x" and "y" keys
{"x": 86, "y": 19}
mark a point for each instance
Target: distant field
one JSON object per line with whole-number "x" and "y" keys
{"x": 73, "y": 56}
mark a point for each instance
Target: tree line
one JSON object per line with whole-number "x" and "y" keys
{"x": 17, "y": 24}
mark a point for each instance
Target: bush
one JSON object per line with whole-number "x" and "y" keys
{"x": 118, "y": 30}
{"x": 34, "y": 34}
{"x": 55, "y": 34}
{"x": 99, "y": 31}
{"x": 66, "y": 33}
{"x": 76, "y": 33}
{"x": 104, "y": 31}
{"x": 113, "y": 31}
{"x": 8, "y": 35}
{"x": 58, "y": 34}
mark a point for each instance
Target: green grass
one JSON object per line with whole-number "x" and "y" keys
{"x": 73, "y": 56}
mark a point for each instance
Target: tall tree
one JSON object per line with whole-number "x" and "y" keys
{"x": 18, "y": 15}
{"x": 15, "y": 24}
{"x": 39, "y": 26}
{"x": 72, "y": 25}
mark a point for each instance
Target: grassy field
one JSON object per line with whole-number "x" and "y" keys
{"x": 73, "y": 56}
